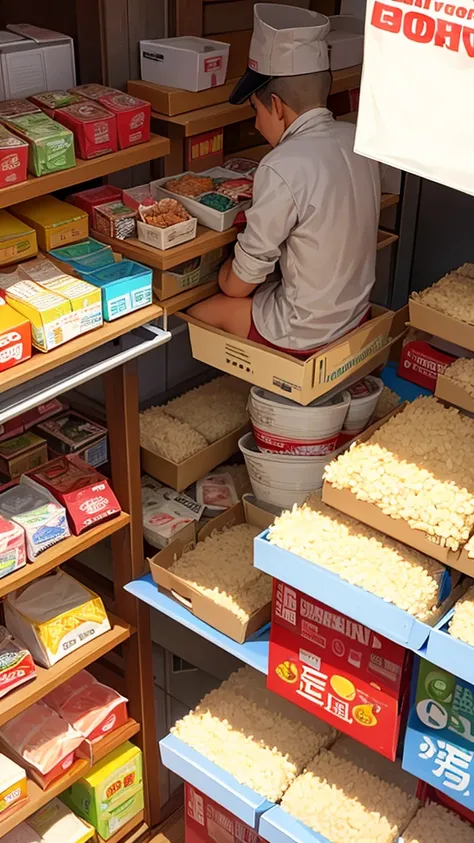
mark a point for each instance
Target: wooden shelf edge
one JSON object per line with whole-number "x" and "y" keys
{"x": 49, "y": 678}
{"x": 385, "y": 238}
{"x": 60, "y": 553}
{"x": 389, "y": 200}
{"x": 84, "y": 171}
{"x": 39, "y": 797}
{"x": 206, "y": 241}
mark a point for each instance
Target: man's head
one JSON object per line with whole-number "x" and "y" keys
{"x": 281, "y": 100}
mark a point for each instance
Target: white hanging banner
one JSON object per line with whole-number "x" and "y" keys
{"x": 416, "y": 107}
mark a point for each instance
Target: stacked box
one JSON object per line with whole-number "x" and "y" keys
{"x": 13, "y": 158}
{"x": 126, "y": 286}
{"x": 51, "y": 101}
{"x": 89, "y": 199}
{"x": 94, "y": 128}
{"x": 133, "y": 118}
{"x": 51, "y": 145}
{"x": 85, "y": 256}
{"x": 115, "y": 219}
{"x": 56, "y": 223}
{"x": 17, "y": 240}
{"x": 21, "y": 454}
{"x": 72, "y": 433}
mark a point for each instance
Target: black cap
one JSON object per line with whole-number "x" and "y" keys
{"x": 250, "y": 83}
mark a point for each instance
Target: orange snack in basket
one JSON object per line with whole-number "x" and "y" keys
{"x": 164, "y": 213}
{"x": 190, "y": 185}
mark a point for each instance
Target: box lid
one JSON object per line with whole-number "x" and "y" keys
{"x": 38, "y": 126}
{"x": 10, "y": 227}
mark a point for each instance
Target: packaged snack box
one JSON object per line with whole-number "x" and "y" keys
{"x": 15, "y": 338}
{"x": 115, "y": 220}
{"x": 50, "y": 101}
{"x": 56, "y": 223}
{"x": 13, "y": 788}
{"x": 13, "y": 427}
{"x": 17, "y": 240}
{"x": 133, "y": 197}
{"x": 84, "y": 492}
{"x": 54, "y": 616}
{"x": 21, "y": 454}
{"x": 126, "y": 286}
{"x": 41, "y": 517}
{"x": 87, "y": 255}
{"x": 42, "y": 412}
{"x": 133, "y": 118}
{"x": 89, "y": 199}
{"x": 111, "y": 794}
{"x": 16, "y": 664}
{"x": 13, "y": 158}
{"x": 17, "y": 108}
{"x": 55, "y": 823}
{"x": 91, "y": 708}
{"x": 72, "y": 433}
{"x": 51, "y": 145}
{"x": 94, "y": 128}
{"x": 52, "y": 319}
{"x": 12, "y": 548}
{"x": 83, "y": 297}
{"x": 93, "y": 91}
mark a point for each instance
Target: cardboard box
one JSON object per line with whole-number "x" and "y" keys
{"x": 439, "y": 325}
{"x": 181, "y": 475}
{"x": 166, "y": 238}
{"x": 88, "y": 200}
{"x": 17, "y": 240}
{"x": 54, "y": 820}
{"x": 93, "y": 91}
{"x": 51, "y": 146}
{"x": 184, "y": 62}
{"x": 338, "y": 669}
{"x": 422, "y": 364}
{"x": 451, "y": 391}
{"x": 173, "y": 101}
{"x": 438, "y": 743}
{"x": 53, "y": 322}
{"x": 84, "y": 492}
{"x": 72, "y": 433}
{"x": 126, "y": 286}
{"x": 13, "y": 786}
{"x": 35, "y": 61}
{"x": 187, "y": 275}
{"x": 357, "y": 354}
{"x": 111, "y": 794}
{"x": 42, "y": 412}
{"x": 133, "y": 118}
{"x": 94, "y": 128}
{"x": 15, "y": 339}
{"x": 201, "y": 152}
{"x": 22, "y": 454}
{"x": 56, "y": 223}
{"x": 51, "y": 101}
{"x": 13, "y": 158}
{"x": 85, "y": 256}
{"x": 206, "y": 821}
{"x": 115, "y": 220}
{"x": 199, "y": 604}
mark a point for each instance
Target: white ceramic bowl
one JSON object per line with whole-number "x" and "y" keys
{"x": 364, "y": 399}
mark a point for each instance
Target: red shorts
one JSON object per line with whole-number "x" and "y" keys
{"x": 254, "y": 336}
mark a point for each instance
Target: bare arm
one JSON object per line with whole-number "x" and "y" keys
{"x": 231, "y": 284}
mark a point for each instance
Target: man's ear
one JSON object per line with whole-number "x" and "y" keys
{"x": 277, "y": 104}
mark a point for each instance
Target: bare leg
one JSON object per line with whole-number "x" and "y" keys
{"x": 229, "y": 314}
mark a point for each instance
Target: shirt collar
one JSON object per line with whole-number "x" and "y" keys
{"x": 314, "y": 115}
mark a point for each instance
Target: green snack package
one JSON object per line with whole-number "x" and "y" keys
{"x": 51, "y": 145}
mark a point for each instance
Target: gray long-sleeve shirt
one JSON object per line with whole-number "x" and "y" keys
{"x": 315, "y": 213}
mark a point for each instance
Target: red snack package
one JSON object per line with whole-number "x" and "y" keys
{"x": 133, "y": 118}
{"x": 94, "y": 128}
{"x": 16, "y": 663}
{"x": 91, "y": 708}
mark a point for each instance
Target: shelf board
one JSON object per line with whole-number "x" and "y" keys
{"x": 60, "y": 553}
{"x": 84, "y": 171}
{"x": 205, "y": 241}
{"x": 41, "y": 363}
{"x": 126, "y": 830}
{"x": 37, "y": 797}
{"x": 254, "y": 652}
{"x": 385, "y": 238}
{"x": 49, "y": 678}
{"x": 389, "y": 200}
{"x": 172, "y": 830}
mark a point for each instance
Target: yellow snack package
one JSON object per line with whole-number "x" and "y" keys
{"x": 17, "y": 240}
{"x": 56, "y": 223}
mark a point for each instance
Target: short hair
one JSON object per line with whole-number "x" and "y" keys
{"x": 308, "y": 90}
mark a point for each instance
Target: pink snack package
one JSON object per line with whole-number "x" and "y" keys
{"x": 41, "y": 741}
{"x": 12, "y": 547}
{"x": 216, "y": 492}
{"x": 92, "y": 709}
{"x": 16, "y": 663}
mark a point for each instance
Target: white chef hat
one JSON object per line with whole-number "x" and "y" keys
{"x": 286, "y": 41}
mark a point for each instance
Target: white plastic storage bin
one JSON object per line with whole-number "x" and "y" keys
{"x": 33, "y": 60}
{"x": 346, "y": 40}
{"x": 217, "y": 220}
{"x": 194, "y": 64}
{"x": 166, "y": 238}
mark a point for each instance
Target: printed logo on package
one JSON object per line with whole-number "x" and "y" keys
{"x": 439, "y": 743}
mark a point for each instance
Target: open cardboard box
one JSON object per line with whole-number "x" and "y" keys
{"x": 440, "y": 325}
{"x": 199, "y": 604}
{"x": 369, "y": 513}
{"x": 356, "y": 354}
{"x": 181, "y": 475}
{"x": 449, "y": 390}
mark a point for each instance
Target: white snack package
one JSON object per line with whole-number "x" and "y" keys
{"x": 165, "y": 512}
{"x": 39, "y": 514}
{"x": 217, "y": 492}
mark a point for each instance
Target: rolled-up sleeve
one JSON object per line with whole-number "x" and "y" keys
{"x": 269, "y": 222}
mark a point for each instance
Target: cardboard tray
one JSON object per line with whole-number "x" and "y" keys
{"x": 449, "y": 390}
{"x": 199, "y": 604}
{"x": 181, "y": 475}
{"x": 439, "y": 325}
{"x": 342, "y": 362}
{"x": 212, "y": 780}
{"x": 451, "y": 654}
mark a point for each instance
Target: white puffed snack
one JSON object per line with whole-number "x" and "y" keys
{"x": 361, "y": 556}
{"x": 261, "y": 747}
{"x": 214, "y": 409}
{"x": 462, "y": 622}
{"x": 387, "y": 402}
{"x": 345, "y": 804}
{"x": 452, "y": 295}
{"x": 168, "y": 437}
{"x": 221, "y": 567}
{"x": 462, "y": 373}
{"x": 418, "y": 467}
{"x": 436, "y": 824}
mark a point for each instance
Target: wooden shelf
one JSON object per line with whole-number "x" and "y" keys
{"x": 205, "y": 241}
{"x": 48, "y": 679}
{"x": 60, "y": 553}
{"x": 41, "y": 363}
{"x": 389, "y": 200}
{"x": 385, "y": 238}
{"x": 124, "y": 832}
{"x": 84, "y": 171}
{"x": 38, "y": 797}
{"x": 172, "y": 830}
{"x": 346, "y": 79}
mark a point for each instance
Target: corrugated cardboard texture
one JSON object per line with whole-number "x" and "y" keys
{"x": 445, "y": 327}
{"x": 448, "y": 390}
{"x": 172, "y": 101}
{"x": 201, "y": 606}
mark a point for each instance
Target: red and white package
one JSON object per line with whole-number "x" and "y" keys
{"x": 133, "y": 118}
{"x": 16, "y": 663}
{"x": 93, "y": 91}
{"x": 421, "y": 363}
{"x": 236, "y": 189}
{"x": 94, "y": 128}
{"x": 216, "y": 492}
{"x": 41, "y": 741}
{"x": 43, "y": 412}
{"x": 84, "y": 492}
{"x": 92, "y": 709}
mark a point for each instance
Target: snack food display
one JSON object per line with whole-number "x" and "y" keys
{"x": 133, "y": 118}
{"x": 72, "y": 433}
{"x": 94, "y": 128}
{"x": 164, "y": 213}
{"x": 17, "y": 108}
{"x": 12, "y": 547}
{"x": 51, "y": 145}
{"x": 50, "y": 101}
{"x": 435, "y": 824}
{"x": 41, "y": 517}
{"x": 236, "y": 189}
{"x": 115, "y": 220}
{"x": 165, "y": 512}
{"x": 451, "y": 295}
{"x": 21, "y": 454}
{"x": 168, "y": 437}
{"x": 54, "y": 823}
{"x": 16, "y": 663}
{"x": 217, "y": 201}
{"x": 91, "y": 708}
{"x": 13, "y": 158}
{"x": 190, "y": 185}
